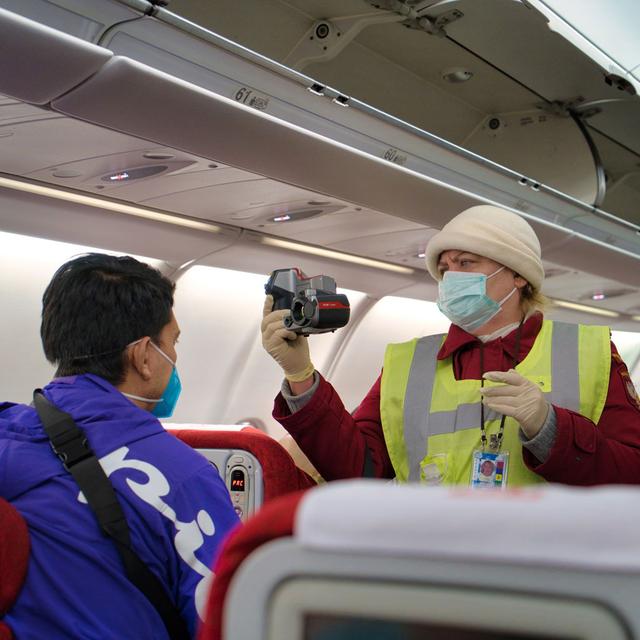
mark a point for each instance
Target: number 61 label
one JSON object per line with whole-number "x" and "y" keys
{"x": 251, "y": 98}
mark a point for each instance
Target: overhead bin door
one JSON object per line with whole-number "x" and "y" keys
{"x": 38, "y": 63}
{"x": 83, "y": 19}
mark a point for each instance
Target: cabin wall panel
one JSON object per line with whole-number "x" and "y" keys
{"x": 43, "y": 217}
{"x": 392, "y": 319}
{"x": 26, "y": 268}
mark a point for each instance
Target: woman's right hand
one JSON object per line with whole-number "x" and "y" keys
{"x": 289, "y": 349}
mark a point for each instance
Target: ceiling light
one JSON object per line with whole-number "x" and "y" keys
{"x": 422, "y": 254}
{"x": 134, "y": 174}
{"x": 108, "y": 205}
{"x": 583, "y": 307}
{"x": 598, "y": 296}
{"x": 335, "y": 255}
{"x": 117, "y": 177}
{"x": 286, "y": 217}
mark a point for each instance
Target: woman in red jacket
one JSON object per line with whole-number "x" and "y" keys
{"x": 540, "y": 400}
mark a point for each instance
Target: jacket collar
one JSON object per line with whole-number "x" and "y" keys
{"x": 458, "y": 339}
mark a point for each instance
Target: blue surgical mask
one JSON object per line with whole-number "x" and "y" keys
{"x": 462, "y": 297}
{"x": 165, "y": 405}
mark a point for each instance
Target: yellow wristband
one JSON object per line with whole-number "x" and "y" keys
{"x": 300, "y": 376}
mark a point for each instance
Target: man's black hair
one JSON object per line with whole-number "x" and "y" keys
{"x": 97, "y": 304}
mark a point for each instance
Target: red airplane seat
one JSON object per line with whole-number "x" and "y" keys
{"x": 273, "y": 521}
{"x": 280, "y": 473}
{"x": 14, "y": 557}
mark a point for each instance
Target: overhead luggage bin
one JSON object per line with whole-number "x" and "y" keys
{"x": 39, "y": 63}
{"x": 324, "y": 141}
{"x": 228, "y": 70}
{"x": 85, "y": 20}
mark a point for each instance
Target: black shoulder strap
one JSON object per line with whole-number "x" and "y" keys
{"x": 70, "y": 445}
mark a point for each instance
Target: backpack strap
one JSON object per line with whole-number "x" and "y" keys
{"x": 70, "y": 444}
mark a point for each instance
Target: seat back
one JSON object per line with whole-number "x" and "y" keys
{"x": 369, "y": 559}
{"x": 14, "y": 556}
{"x": 255, "y": 467}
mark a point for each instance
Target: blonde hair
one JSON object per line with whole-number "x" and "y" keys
{"x": 532, "y": 299}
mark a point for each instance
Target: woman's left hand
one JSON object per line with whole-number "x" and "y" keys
{"x": 518, "y": 398}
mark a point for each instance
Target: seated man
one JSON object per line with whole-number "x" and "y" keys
{"x": 108, "y": 325}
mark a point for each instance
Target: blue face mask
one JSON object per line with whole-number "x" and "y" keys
{"x": 462, "y": 297}
{"x": 165, "y": 405}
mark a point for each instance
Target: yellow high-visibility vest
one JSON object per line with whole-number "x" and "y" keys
{"x": 431, "y": 421}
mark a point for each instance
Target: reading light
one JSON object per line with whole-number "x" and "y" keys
{"x": 583, "y": 307}
{"x": 335, "y": 255}
{"x": 117, "y": 177}
{"x": 109, "y": 205}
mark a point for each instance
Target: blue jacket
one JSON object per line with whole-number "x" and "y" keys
{"x": 177, "y": 507}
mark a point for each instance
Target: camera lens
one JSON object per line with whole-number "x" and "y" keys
{"x": 297, "y": 311}
{"x": 309, "y": 309}
{"x": 494, "y": 123}
{"x": 322, "y": 31}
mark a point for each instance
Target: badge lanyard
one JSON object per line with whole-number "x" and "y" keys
{"x": 495, "y": 440}
{"x": 489, "y": 469}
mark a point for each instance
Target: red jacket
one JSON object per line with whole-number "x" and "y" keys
{"x": 583, "y": 453}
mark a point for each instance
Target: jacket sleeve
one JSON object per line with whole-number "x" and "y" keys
{"x": 334, "y": 440}
{"x": 606, "y": 453}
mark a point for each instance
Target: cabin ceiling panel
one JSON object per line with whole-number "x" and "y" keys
{"x": 595, "y": 259}
{"x": 35, "y": 146}
{"x": 401, "y": 246}
{"x": 582, "y": 287}
{"x": 13, "y": 112}
{"x": 70, "y": 222}
{"x": 44, "y": 63}
{"x": 220, "y": 202}
{"x": 223, "y": 130}
{"x": 196, "y": 176}
{"x": 249, "y": 254}
{"x": 88, "y": 175}
{"x": 344, "y": 226}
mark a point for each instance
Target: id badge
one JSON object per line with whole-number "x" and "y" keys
{"x": 489, "y": 469}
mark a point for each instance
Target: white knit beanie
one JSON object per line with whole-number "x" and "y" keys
{"x": 494, "y": 233}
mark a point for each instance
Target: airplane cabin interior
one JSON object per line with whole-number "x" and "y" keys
{"x": 218, "y": 141}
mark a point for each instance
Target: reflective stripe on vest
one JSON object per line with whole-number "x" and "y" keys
{"x": 579, "y": 357}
